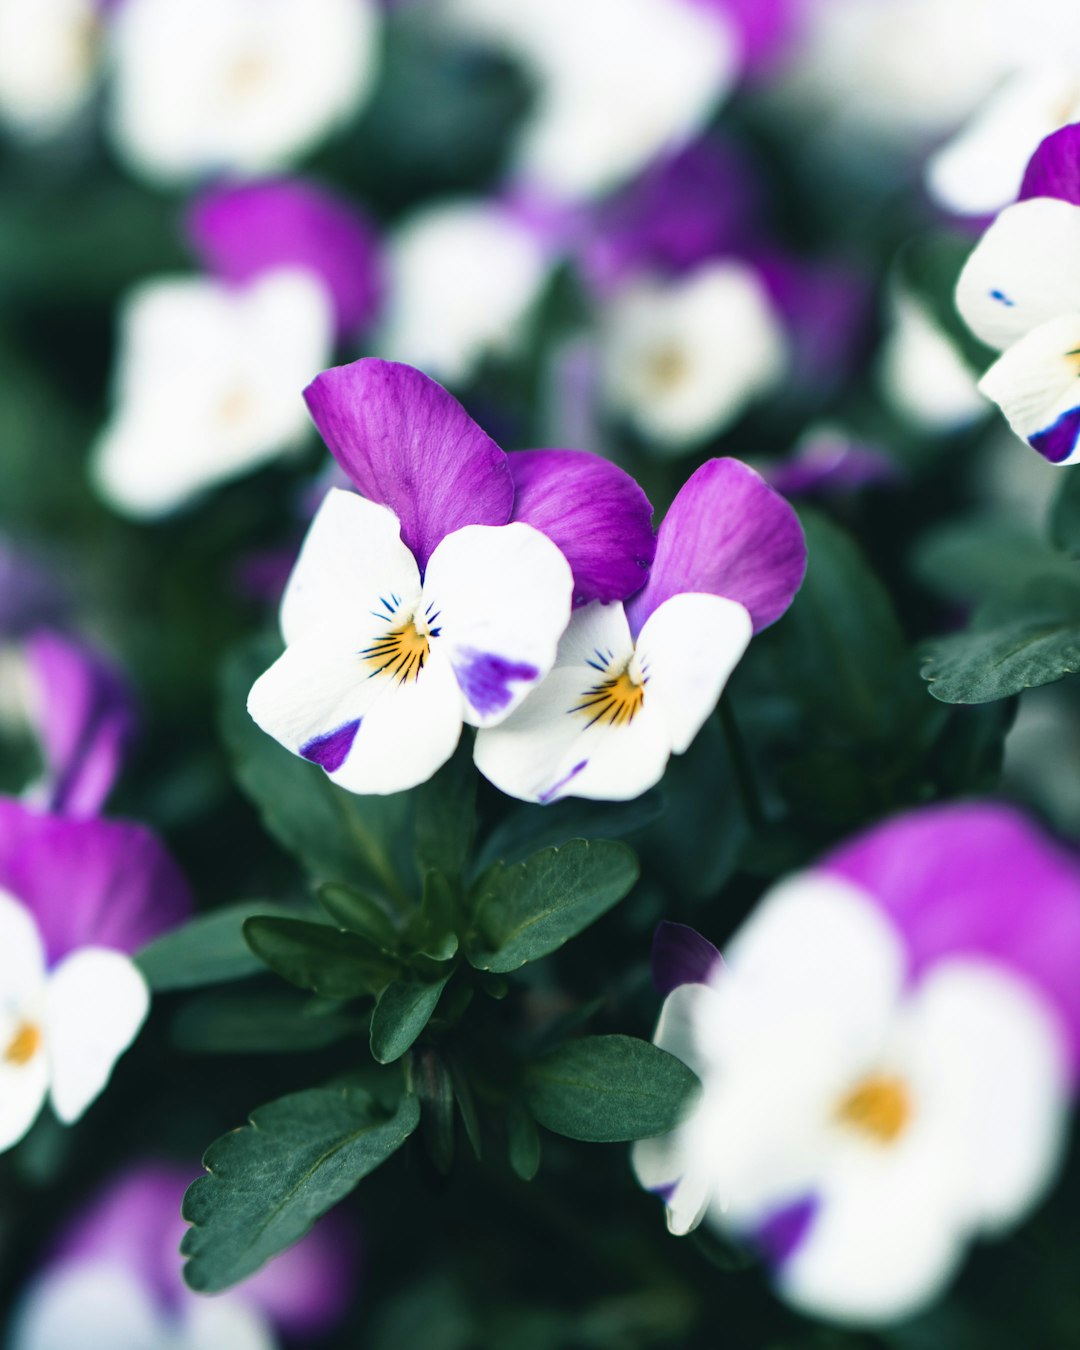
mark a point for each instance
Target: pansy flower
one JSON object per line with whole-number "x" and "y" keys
{"x": 50, "y": 54}
{"x": 886, "y": 1051}
{"x": 436, "y": 597}
{"x": 114, "y": 1279}
{"x": 204, "y": 87}
{"x": 633, "y": 683}
{"x": 77, "y": 898}
{"x": 1020, "y": 293}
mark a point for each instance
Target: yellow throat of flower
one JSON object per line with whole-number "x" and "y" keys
{"x": 614, "y": 702}
{"x": 24, "y": 1045}
{"x": 399, "y": 653}
{"x": 879, "y": 1107}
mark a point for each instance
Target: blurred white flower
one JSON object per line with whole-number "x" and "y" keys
{"x": 618, "y": 81}
{"x": 683, "y": 358}
{"x": 922, "y": 372}
{"x": 463, "y": 279}
{"x": 208, "y": 385}
{"x": 242, "y": 86}
{"x": 49, "y": 53}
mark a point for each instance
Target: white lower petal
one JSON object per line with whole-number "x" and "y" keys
{"x": 1024, "y": 271}
{"x": 95, "y": 1003}
{"x": 351, "y": 561}
{"x": 89, "y": 1306}
{"x": 684, "y": 358}
{"x": 22, "y": 956}
{"x": 23, "y": 1088}
{"x": 408, "y": 734}
{"x": 1036, "y": 384}
{"x": 226, "y": 1323}
{"x": 687, "y": 650}
{"x": 500, "y": 597}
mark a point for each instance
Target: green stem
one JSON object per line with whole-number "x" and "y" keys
{"x": 745, "y": 777}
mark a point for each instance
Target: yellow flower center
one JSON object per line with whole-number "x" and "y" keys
{"x": 399, "y": 653}
{"x": 614, "y": 702}
{"x": 879, "y": 1106}
{"x": 666, "y": 368}
{"x": 24, "y": 1045}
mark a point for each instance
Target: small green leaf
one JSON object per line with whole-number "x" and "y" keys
{"x": 435, "y": 1092}
{"x": 250, "y": 1023}
{"x": 1015, "y": 642}
{"x": 522, "y": 1141}
{"x": 608, "y": 1089}
{"x": 360, "y": 913}
{"x": 1065, "y": 515}
{"x": 529, "y": 828}
{"x": 446, "y": 815}
{"x": 402, "y": 1012}
{"x": 320, "y": 958}
{"x": 529, "y": 910}
{"x": 433, "y": 934}
{"x": 209, "y": 949}
{"x": 466, "y": 1103}
{"x": 271, "y": 1180}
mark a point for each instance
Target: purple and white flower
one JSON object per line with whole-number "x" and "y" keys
{"x": 202, "y": 87}
{"x": 633, "y": 683}
{"x": 115, "y": 1280}
{"x": 241, "y": 231}
{"x": 1020, "y": 293}
{"x": 77, "y": 898}
{"x": 437, "y": 597}
{"x": 205, "y": 384}
{"x": 887, "y": 1051}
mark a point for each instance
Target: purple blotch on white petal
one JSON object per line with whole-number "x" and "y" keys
{"x": 680, "y": 955}
{"x": 1058, "y": 441}
{"x": 331, "y": 750}
{"x": 485, "y": 679}
{"x": 782, "y": 1232}
{"x": 553, "y": 791}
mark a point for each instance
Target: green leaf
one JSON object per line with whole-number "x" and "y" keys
{"x": 446, "y": 815}
{"x": 529, "y": 910}
{"x": 433, "y": 931}
{"x": 275, "y": 1022}
{"x": 320, "y": 958}
{"x": 435, "y": 1092}
{"x": 402, "y": 1012}
{"x": 271, "y": 1180}
{"x": 337, "y": 835}
{"x": 1065, "y": 515}
{"x": 1015, "y": 642}
{"x": 522, "y": 1141}
{"x": 360, "y": 913}
{"x": 529, "y": 828}
{"x": 466, "y": 1103}
{"x": 209, "y": 949}
{"x": 972, "y": 560}
{"x": 608, "y": 1089}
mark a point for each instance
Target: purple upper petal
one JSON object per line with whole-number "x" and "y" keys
{"x": 409, "y": 445}
{"x": 136, "y": 1223}
{"x": 692, "y": 206}
{"x": 977, "y": 879}
{"x": 680, "y": 955}
{"x": 594, "y": 512}
{"x": 242, "y": 230}
{"x": 727, "y": 533}
{"x": 105, "y": 883}
{"x": 86, "y": 721}
{"x": 766, "y": 28}
{"x": 1054, "y": 169}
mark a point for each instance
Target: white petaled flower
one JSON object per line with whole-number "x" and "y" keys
{"x": 885, "y": 1051}
{"x": 618, "y": 82}
{"x": 1020, "y": 292}
{"x": 683, "y": 358}
{"x": 463, "y": 279}
{"x": 632, "y": 685}
{"x": 49, "y": 58}
{"x": 243, "y": 86}
{"x": 77, "y": 897}
{"x": 206, "y": 384}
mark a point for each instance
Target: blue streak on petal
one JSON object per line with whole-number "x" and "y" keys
{"x": 1002, "y": 298}
{"x": 1057, "y": 441}
{"x": 330, "y": 751}
{"x": 485, "y": 679}
{"x": 547, "y": 796}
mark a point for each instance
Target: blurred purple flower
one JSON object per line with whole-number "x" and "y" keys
{"x": 127, "y": 1242}
{"x": 828, "y": 461}
{"x": 242, "y": 230}
{"x": 30, "y": 594}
